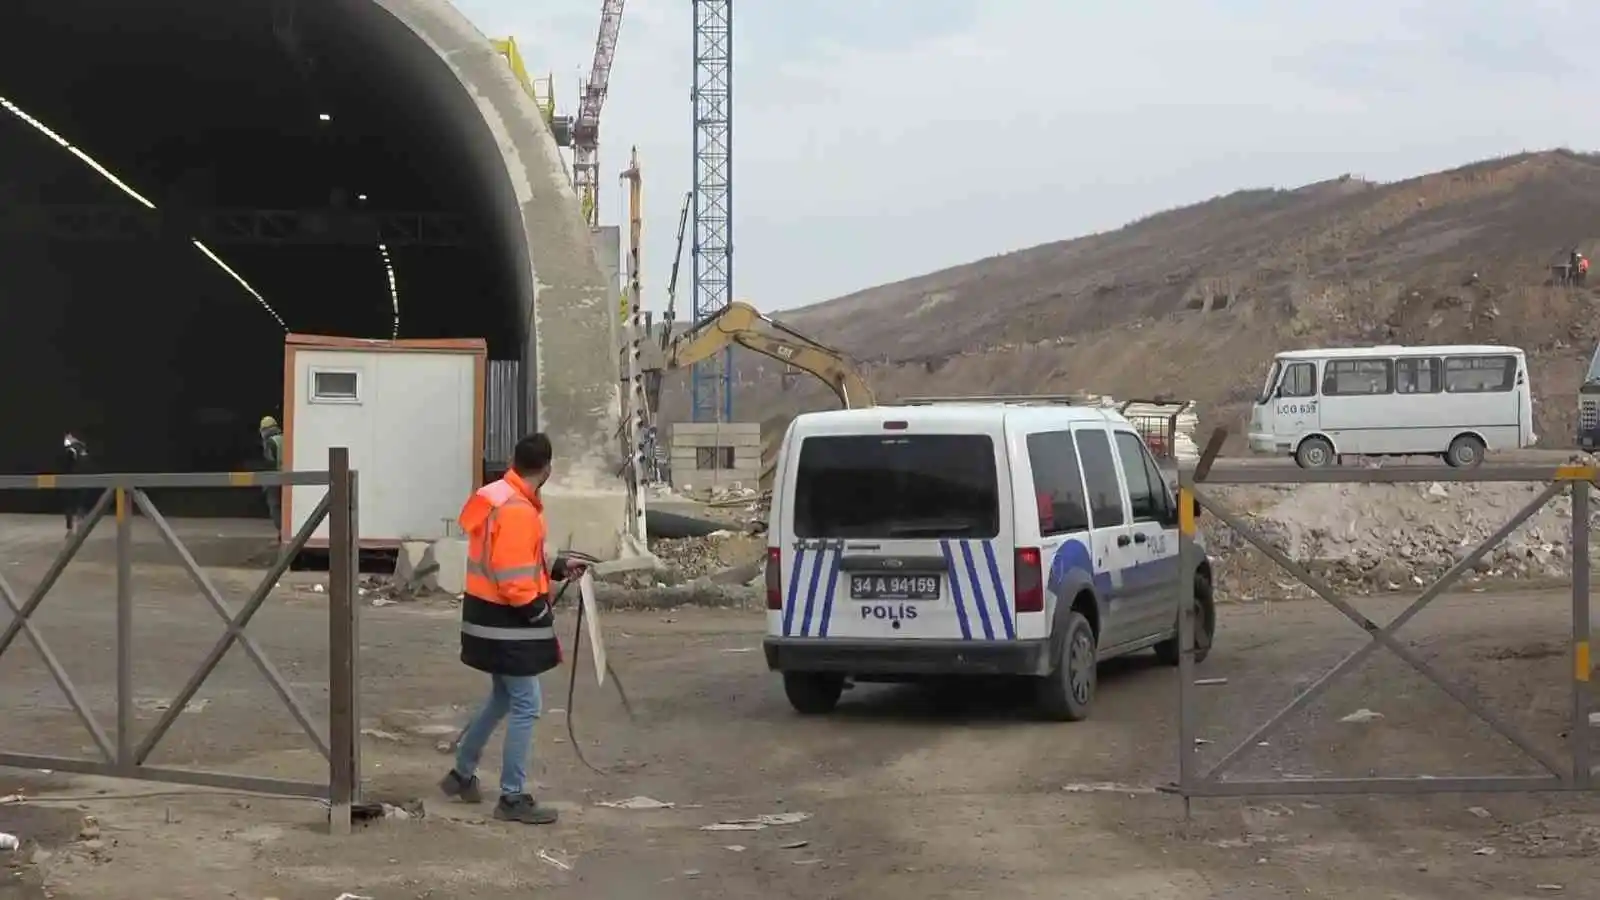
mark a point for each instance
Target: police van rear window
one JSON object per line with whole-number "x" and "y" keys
{"x": 897, "y": 487}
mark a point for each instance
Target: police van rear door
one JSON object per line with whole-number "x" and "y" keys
{"x": 898, "y": 526}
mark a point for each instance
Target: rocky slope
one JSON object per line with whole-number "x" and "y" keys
{"x": 1195, "y": 301}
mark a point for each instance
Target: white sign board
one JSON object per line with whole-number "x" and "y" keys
{"x": 591, "y": 616}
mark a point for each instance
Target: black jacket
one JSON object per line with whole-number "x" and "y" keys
{"x": 520, "y": 656}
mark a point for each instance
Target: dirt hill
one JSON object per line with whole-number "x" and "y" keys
{"x": 1196, "y": 300}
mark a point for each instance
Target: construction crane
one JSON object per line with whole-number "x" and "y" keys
{"x": 711, "y": 383}
{"x": 586, "y": 128}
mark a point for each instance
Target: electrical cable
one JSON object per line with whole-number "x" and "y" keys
{"x": 572, "y": 678}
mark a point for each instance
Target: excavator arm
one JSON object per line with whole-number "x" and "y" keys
{"x": 740, "y": 324}
{"x": 743, "y": 325}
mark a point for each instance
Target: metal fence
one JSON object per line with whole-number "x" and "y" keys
{"x": 1574, "y": 774}
{"x": 124, "y": 755}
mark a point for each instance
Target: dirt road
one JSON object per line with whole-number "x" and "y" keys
{"x": 910, "y": 793}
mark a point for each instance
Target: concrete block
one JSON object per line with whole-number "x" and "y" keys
{"x": 709, "y": 439}
{"x": 451, "y": 555}
{"x": 438, "y": 565}
{"x": 715, "y": 427}
{"x": 589, "y": 521}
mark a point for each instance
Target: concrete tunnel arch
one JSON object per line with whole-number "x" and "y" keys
{"x": 466, "y": 96}
{"x": 566, "y": 314}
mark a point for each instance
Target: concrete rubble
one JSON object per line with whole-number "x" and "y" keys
{"x": 1387, "y": 537}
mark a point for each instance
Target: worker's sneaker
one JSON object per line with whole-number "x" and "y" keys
{"x": 523, "y": 808}
{"x": 463, "y": 789}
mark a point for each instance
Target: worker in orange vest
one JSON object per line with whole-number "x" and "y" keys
{"x": 508, "y": 626}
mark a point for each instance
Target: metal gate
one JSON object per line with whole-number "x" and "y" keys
{"x": 124, "y": 755}
{"x": 1575, "y": 774}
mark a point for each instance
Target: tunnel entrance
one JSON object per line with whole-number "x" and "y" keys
{"x": 284, "y": 165}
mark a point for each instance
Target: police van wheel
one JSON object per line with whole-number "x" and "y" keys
{"x": 1205, "y": 626}
{"x": 1066, "y": 694}
{"x": 812, "y": 693}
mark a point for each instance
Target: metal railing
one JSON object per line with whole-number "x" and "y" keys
{"x": 124, "y": 755}
{"x": 1575, "y": 774}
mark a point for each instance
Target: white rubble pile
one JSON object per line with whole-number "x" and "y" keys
{"x": 1391, "y": 536}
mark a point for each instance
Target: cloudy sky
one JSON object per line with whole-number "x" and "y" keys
{"x": 880, "y": 139}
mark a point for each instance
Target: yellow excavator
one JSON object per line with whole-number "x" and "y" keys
{"x": 740, "y": 324}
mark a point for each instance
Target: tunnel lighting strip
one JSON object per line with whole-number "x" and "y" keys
{"x": 394, "y": 289}
{"x": 144, "y": 201}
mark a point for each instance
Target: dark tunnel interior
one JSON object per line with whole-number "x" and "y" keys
{"x": 136, "y": 341}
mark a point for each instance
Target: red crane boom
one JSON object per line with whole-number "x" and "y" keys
{"x": 586, "y": 130}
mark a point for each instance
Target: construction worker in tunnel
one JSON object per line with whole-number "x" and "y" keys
{"x": 272, "y": 449}
{"x": 74, "y": 460}
{"x": 1581, "y": 269}
{"x": 508, "y": 626}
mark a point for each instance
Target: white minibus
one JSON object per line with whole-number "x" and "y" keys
{"x": 1454, "y": 402}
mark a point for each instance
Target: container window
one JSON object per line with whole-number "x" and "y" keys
{"x": 335, "y": 386}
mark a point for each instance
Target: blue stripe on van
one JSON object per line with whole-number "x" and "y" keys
{"x": 977, "y": 591}
{"x": 833, "y": 582}
{"x": 1000, "y": 598}
{"x": 955, "y": 590}
{"x": 793, "y": 598}
{"x": 811, "y": 590}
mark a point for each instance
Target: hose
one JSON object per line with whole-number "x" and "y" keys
{"x": 572, "y": 678}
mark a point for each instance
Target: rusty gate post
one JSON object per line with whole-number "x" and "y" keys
{"x": 1186, "y": 625}
{"x": 125, "y": 744}
{"x": 342, "y": 728}
{"x": 1582, "y": 666}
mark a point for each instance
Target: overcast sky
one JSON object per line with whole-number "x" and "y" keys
{"x": 880, "y": 139}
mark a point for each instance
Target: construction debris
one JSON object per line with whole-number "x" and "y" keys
{"x": 1385, "y": 537}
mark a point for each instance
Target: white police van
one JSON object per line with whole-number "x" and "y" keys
{"x": 983, "y": 536}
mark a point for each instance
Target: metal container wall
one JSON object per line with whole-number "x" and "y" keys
{"x": 502, "y": 416}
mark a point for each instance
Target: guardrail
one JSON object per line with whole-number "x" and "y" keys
{"x": 124, "y": 755}
{"x": 1575, "y": 774}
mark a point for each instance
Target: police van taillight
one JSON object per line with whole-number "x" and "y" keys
{"x": 774, "y": 578}
{"x": 1029, "y": 580}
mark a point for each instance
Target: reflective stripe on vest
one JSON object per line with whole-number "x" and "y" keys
{"x": 502, "y": 495}
{"x": 490, "y": 633}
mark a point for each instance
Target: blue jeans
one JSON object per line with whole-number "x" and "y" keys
{"x": 518, "y": 699}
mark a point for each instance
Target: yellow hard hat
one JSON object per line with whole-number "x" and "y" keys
{"x": 268, "y": 422}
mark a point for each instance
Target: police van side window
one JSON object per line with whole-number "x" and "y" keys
{"x": 1142, "y": 495}
{"x": 1057, "y": 482}
{"x": 1166, "y": 504}
{"x": 1100, "y": 477}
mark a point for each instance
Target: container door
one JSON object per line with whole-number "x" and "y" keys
{"x": 899, "y": 534}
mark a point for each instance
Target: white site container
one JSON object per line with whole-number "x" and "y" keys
{"x": 411, "y": 413}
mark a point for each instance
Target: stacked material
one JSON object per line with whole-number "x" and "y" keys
{"x": 1152, "y": 418}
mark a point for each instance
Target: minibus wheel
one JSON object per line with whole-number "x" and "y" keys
{"x": 1314, "y": 453}
{"x": 1465, "y": 452}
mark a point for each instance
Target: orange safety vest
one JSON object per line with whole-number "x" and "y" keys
{"x": 507, "y": 622}
{"x": 1583, "y": 265}
{"x": 505, "y": 553}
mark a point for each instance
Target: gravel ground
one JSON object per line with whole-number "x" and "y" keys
{"x": 909, "y": 793}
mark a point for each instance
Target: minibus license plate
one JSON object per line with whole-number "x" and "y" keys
{"x": 894, "y": 587}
